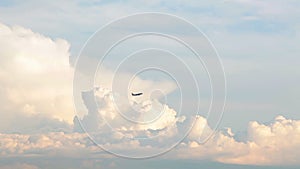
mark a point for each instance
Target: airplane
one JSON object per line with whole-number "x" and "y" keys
{"x": 136, "y": 94}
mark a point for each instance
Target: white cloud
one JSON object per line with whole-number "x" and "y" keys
{"x": 275, "y": 144}
{"x": 51, "y": 144}
{"x": 35, "y": 77}
{"x": 145, "y": 115}
{"x": 36, "y": 83}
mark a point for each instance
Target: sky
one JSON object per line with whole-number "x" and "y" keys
{"x": 59, "y": 104}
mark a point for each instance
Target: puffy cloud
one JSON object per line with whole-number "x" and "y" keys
{"x": 200, "y": 131}
{"x": 109, "y": 122}
{"x": 203, "y": 144}
{"x": 277, "y": 143}
{"x": 109, "y": 106}
{"x": 51, "y": 144}
{"x": 35, "y": 77}
{"x": 274, "y": 144}
{"x": 36, "y": 82}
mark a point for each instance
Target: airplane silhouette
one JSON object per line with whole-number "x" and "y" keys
{"x": 136, "y": 94}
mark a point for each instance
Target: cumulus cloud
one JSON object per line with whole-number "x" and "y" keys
{"x": 36, "y": 81}
{"x": 277, "y": 143}
{"x": 51, "y": 144}
{"x": 274, "y": 144}
{"x": 110, "y": 122}
{"x": 35, "y": 77}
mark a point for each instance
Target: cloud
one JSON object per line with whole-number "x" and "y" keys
{"x": 30, "y": 124}
{"x": 36, "y": 83}
{"x": 47, "y": 145}
{"x": 108, "y": 115}
{"x": 19, "y": 166}
{"x": 270, "y": 9}
{"x": 274, "y": 144}
{"x": 277, "y": 143}
{"x": 274, "y": 52}
{"x": 35, "y": 78}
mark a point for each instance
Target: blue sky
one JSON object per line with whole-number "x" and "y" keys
{"x": 257, "y": 42}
